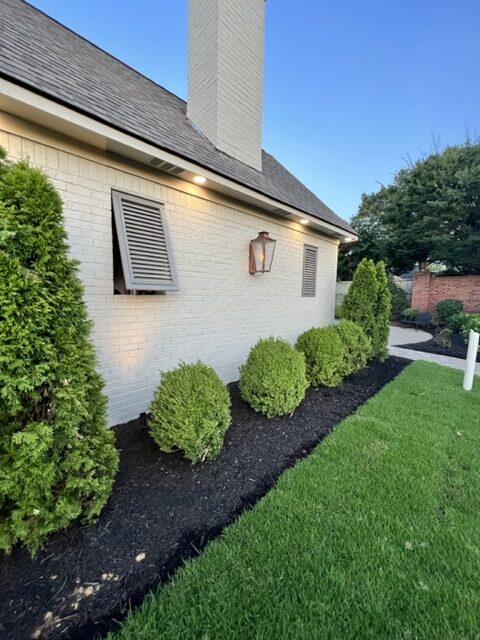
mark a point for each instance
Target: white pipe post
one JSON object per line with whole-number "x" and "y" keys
{"x": 471, "y": 360}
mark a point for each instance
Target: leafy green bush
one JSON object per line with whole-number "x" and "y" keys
{"x": 357, "y": 346}
{"x": 273, "y": 379}
{"x": 324, "y": 355}
{"x": 399, "y": 299}
{"x": 338, "y": 311}
{"x": 382, "y": 312}
{"x": 455, "y": 322}
{"x": 190, "y": 411}
{"x": 471, "y": 322}
{"x": 57, "y": 457}
{"x": 447, "y": 308}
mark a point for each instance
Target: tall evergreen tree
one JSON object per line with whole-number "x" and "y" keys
{"x": 359, "y": 303}
{"x": 368, "y": 303}
{"x": 382, "y": 312}
{"x": 57, "y": 457}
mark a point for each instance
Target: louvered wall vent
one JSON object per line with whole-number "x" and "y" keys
{"x": 309, "y": 280}
{"x": 165, "y": 166}
{"x": 144, "y": 243}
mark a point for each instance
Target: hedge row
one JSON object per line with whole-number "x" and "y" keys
{"x": 191, "y": 407}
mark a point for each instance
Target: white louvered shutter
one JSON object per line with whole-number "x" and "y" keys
{"x": 144, "y": 242}
{"x": 309, "y": 279}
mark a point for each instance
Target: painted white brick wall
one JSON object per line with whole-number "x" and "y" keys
{"x": 220, "y": 310}
{"x": 225, "y": 90}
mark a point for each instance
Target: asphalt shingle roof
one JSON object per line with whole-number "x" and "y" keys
{"x": 39, "y": 53}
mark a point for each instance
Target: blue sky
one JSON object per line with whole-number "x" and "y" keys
{"x": 351, "y": 88}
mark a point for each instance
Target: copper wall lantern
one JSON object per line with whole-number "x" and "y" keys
{"x": 261, "y": 253}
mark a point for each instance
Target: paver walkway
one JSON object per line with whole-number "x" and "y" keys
{"x": 402, "y": 335}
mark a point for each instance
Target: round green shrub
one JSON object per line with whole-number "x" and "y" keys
{"x": 324, "y": 356}
{"x": 190, "y": 411}
{"x": 358, "y": 346}
{"x": 273, "y": 379}
{"x": 57, "y": 457}
{"x": 447, "y": 308}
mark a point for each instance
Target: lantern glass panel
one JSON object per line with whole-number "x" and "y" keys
{"x": 269, "y": 250}
{"x": 258, "y": 254}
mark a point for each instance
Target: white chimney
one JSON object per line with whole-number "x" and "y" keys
{"x": 225, "y": 75}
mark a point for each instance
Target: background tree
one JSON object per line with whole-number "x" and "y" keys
{"x": 368, "y": 223}
{"x": 57, "y": 458}
{"x": 433, "y": 213}
{"x": 429, "y": 216}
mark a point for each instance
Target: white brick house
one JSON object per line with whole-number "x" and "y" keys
{"x": 99, "y": 128}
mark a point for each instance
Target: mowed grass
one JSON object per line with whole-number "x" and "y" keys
{"x": 375, "y": 535}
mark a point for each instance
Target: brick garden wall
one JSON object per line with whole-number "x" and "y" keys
{"x": 429, "y": 290}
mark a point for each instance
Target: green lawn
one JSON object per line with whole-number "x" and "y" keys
{"x": 375, "y": 535}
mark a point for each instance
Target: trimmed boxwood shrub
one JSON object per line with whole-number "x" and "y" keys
{"x": 324, "y": 355}
{"x": 57, "y": 457}
{"x": 273, "y": 379}
{"x": 190, "y": 411}
{"x": 358, "y": 347}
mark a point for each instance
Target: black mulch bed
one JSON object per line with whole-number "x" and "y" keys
{"x": 162, "y": 511}
{"x": 457, "y": 350}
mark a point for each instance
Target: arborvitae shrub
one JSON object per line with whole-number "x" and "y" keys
{"x": 57, "y": 457}
{"x": 273, "y": 379}
{"x": 358, "y": 347}
{"x": 324, "y": 356}
{"x": 382, "y": 312}
{"x": 359, "y": 303}
{"x": 190, "y": 411}
{"x": 368, "y": 303}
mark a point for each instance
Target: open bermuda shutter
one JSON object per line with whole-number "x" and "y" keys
{"x": 144, "y": 242}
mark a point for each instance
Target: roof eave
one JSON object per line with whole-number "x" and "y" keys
{"x": 40, "y": 108}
